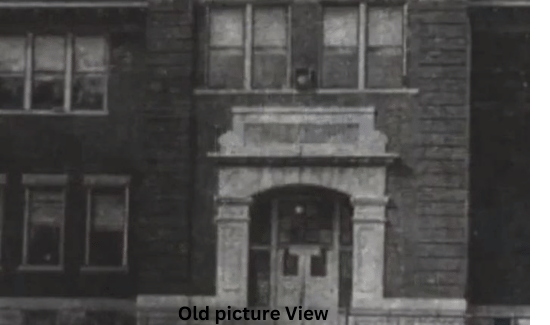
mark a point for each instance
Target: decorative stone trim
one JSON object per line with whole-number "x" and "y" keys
{"x": 111, "y": 180}
{"x": 230, "y": 200}
{"x": 369, "y": 201}
{"x": 44, "y": 179}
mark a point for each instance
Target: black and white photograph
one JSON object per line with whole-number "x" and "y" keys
{"x": 268, "y": 162}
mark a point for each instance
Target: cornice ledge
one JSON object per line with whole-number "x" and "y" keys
{"x": 370, "y": 200}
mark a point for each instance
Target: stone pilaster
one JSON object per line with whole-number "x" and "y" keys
{"x": 232, "y": 258}
{"x": 368, "y": 250}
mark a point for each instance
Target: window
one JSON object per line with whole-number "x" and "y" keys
{"x": 44, "y": 223}
{"x": 248, "y": 47}
{"x": 106, "y": 222}
{"x": 363, "y": 46}
{"x": 53, "y": 73}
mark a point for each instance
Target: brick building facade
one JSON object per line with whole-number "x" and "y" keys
{"x": 184, "y": 137}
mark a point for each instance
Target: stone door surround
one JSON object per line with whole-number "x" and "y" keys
{"x": 336, "y": 148}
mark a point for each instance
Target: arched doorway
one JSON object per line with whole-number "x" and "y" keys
{"x": 300, "y": 250}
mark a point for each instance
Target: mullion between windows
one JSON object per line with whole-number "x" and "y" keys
{"x": 248, "y": 46}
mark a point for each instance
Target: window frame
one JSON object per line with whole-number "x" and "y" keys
{"x": 362, "y": 8}
{"x": 30, "y": 181}
{"x": 248, "y": 43}
{"x": 91, "y": 183}
{"x": 69, "y": 75}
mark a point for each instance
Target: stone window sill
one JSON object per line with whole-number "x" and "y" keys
{"x": 20, "y": 112}
{"x": 104, "y": 269}
{"x": 203, "y": 91}
{"x": 40, "y": 268}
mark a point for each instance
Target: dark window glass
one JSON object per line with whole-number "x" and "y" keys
{"x": 260, "y": 224}
{"x": 340, "y": 60}
{"x": 226, "y": 55}
{"x": 385, "y": 47}
{"x": 12, "y": 72}
{"x": 269, "y": 62}
{"x": 49, "y": 72}
{"x": 345, "y": 280}
{"x": 259, "y": 277}
{"x": 107, "y": 227}
{"x": 305, "y": 221}
{"x": 90, "y": 78}
{"x": 45, "y": 225}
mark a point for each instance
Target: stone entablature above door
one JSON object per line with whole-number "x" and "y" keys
{"x": 303, "y": 132}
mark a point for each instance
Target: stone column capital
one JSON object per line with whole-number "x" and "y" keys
{"x": 359, "y": 201}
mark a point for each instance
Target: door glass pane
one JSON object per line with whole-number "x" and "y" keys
{"x": 226, "y": 27}
{"x": 385, "y": 26}
{"x": 290, "y": 264}
{"x": 346, "y": 225}
{"x": 340, "y": 26}
{"x": 270, "y": 27}
{"x": 319, "y": 264}
{"x": 49, "y": 53}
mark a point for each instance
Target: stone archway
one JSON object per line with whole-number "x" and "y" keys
{"x": 346, "y": 155}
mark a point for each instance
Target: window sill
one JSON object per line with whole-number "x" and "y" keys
{"x": 203, "y": 91}
{"x": 19, "y": 112}
{"x": 40, "y": 268}
{"x": 104, "y": 269}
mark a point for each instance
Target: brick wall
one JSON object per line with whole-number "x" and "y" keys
{"x": 164, "y": 127}
{"x": 74, "y": 145}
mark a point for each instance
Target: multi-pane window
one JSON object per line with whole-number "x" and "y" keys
{"x": 363, "y": 46}
{"x": 44, "y": 221}
{"x": 59, "y": 73}
{"x": 248, "y": 47}
{"x": 106, "y": 221}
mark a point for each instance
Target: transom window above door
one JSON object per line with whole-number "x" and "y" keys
{"x": 53, "y": 73}
{"x": 351, "y": 46}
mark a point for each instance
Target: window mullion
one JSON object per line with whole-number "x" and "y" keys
{"x": 248, "y": 47}
{"x": 404, "y": 28}
{"x": 88, "y": 225}
{"x": 69, "y": 44}
{"x": 28, "y": 72}
{"x": 362, "y": 45}
{"x": 126, "y": 225}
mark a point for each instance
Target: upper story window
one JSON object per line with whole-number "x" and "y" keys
{"x": 106, "y": 221}
{"x": 44, "y": 223}
{"x": 248, "y": 47}
{"x": 57, "y": 73}
{"x": 363, "y": 46}
{"x": 359, "y": 46}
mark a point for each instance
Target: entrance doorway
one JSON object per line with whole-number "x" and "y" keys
{"x": 300, "y": 249}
